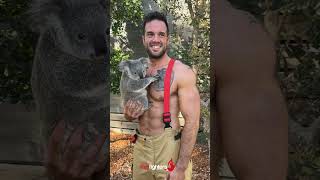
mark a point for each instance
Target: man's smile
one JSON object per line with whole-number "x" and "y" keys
{"x": 155, "y": 47}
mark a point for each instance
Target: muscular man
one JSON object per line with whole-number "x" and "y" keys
{"x": 157, "y": 145}
{"x": 251, "y": 126}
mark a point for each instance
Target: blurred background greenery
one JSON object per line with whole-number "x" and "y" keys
{"x": 17, "y": 45}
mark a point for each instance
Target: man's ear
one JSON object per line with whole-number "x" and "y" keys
{"x": 41, "y": 13}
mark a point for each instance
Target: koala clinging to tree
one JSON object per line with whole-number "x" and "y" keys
{"x": 69, "y": 75}
{"x": 134, "y": 82}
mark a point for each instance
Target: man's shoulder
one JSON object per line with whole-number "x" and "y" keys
{"x": 245, "y": 54}
{"x": 181, "y": 68}
{"x": 183, "y": 73}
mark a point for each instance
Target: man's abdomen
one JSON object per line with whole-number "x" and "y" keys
{"x": 151, "y": 122}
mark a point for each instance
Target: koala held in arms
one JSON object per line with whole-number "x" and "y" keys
{"x": 69, "y": 74}
{"x": 134, "y": 82}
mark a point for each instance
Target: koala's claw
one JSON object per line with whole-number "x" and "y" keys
{"x": 157, "y": 76}
{"x": 152, "y": 79}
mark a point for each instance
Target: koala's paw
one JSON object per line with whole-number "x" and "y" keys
{"x": 152, "y": 79}
{"x": 157, "y": 77}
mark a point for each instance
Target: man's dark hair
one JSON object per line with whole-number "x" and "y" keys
{"x": 155, "y": 15}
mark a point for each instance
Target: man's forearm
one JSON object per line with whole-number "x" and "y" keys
{"x": 188, "y": 139}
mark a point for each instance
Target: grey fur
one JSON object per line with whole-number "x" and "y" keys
{"x": 134, "y": 82}
{"x": 159, "y": 85}
{"x": 69, "y": 75}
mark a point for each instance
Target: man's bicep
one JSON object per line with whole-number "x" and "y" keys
{"x": 189, "y": 98}
{"x": 247, "y": 87}
{"x": 189, "y": 101}
{"x": 250, "y": 104}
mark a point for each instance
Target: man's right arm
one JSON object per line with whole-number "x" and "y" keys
{"x": 132, "y": 110}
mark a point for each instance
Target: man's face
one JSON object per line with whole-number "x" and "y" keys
{"x": 155, "y": 39}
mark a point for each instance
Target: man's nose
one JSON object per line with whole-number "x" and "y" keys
{"x": 156, "y": 38}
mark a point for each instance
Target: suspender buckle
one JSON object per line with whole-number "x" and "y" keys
{"x": 167, "y": 119}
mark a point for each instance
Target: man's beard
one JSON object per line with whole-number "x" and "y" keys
{"x": 158, "y": 55}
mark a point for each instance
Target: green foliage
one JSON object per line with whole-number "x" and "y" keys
{"x": 304, "y": 162}
{"x": 203, "y": 138}
{"x": 179, "y": 50}
{"x": 16, "y": 52}
{"x": 116, "y": 57}
{"x": 124, "y": 11}
{"x": 304, "y": 16}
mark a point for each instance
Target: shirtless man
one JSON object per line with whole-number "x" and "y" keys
{"x": 251, "y": 124}
{"x": 157, "y": 145}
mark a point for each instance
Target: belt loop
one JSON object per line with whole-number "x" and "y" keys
{"x": 177, "y": 136}
{"x": 133, "y": 138}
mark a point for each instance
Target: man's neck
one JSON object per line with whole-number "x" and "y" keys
{"x": 155, "y": 63}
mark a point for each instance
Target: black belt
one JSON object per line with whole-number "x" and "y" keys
{"x": 135, "y": 136}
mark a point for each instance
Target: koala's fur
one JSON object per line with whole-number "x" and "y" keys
{"x": 69, "y": 75}
{"x": 134, "y": 82}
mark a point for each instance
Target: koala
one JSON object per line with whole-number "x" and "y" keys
{"x": 69, "y": 75}
{"x": 134, "y": 82}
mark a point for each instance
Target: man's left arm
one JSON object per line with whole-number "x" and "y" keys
{"x": 189, "y": 102}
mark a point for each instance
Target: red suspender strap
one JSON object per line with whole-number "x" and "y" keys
{"x": 166, "y": 98}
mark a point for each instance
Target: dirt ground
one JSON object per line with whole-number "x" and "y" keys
{"x": 121, "y": 159}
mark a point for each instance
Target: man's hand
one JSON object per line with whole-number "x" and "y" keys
{"x": 70, "y": 163}
{"x": 176, "y": 174}
{"x": 132, "y": 110}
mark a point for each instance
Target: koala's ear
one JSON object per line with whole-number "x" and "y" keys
{"x": 123, "y": 65}
{"x": 144, "y": 61}
{"x": 42, "y": 12}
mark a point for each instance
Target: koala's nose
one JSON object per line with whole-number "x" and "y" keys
{"x": 100, "y": 46}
